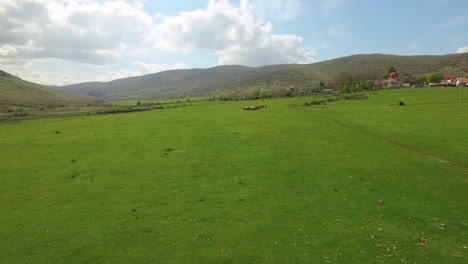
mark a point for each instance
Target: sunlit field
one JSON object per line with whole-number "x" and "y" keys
{"x": 348, "y": 181}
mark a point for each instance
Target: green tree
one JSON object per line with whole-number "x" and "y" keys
{"x": 435, "y": 77}
{"x": 357, "y": 88}
{"x": 345, "y": 89}
{"x": 369, "y": 85}
{"x": 385, "y": 76}
{"x": 256, "y": 94}
{"x": 138, "y": 103}
{"x": 421, "y": 80}
{"x": 265, "y": 94}
{"x": 321, "y": 86}
{"x": 408, "y": 79}
{"x": 351, "y": 81}
{"x": 391, "y": 69}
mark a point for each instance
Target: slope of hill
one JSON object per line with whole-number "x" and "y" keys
{"x": 18, "y": 92}
{"x": 179, "y": 83}
{"x": 413, "y": 65}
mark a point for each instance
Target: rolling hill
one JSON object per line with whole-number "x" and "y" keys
{"x": 181, "y": 83}
{"x": 18, "y": 92}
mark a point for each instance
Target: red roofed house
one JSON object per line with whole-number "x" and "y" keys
{"x": 449, "y": 80}
{"x": 394, "y": 76}
{"x": 291, "y": 88}
{"x": 462, "y": 82}
{"x": 449, "y": 77}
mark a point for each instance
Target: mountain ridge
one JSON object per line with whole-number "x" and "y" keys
{"x": 192, "y": 82}
{"x": 15, "y": 91}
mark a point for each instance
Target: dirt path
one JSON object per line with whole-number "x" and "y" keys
{"x": 427, "y": 154}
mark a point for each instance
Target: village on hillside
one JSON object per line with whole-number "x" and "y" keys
{"x": 392, "y": 79}
{"x": 439, "y": 80}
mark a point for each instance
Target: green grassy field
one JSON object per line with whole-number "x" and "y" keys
{"x": 212, "y": 183}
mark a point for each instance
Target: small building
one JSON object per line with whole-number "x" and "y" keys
{"x": 449, "y": 77}
{"x": 394, "y": 76}
{"x": 462, "y": 82}
{"x": 449, "y": 80}
{"x": 291, "y": 88}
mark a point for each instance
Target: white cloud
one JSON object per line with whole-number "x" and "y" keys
{"x": 76, "y": 30}
{"x": 234, "y": 34}
{"x": 147, "y": 68}
{"x": 46, "y": 78}
{"x": 279, "y": 9}
{"x": 116, "y": 74}
{"x": 462, "y": 49}
{"x": 74, "y": 72}
{"x": 7, "y": 51}
{"x": 68, "y": 41}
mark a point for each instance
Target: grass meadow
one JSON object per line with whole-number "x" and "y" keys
{"x": 352, "y": 181}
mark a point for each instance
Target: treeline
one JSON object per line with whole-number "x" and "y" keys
{"x": 352, "y": 83}
{"x": 16, "y": 112}
{"x": 273, "y": 90}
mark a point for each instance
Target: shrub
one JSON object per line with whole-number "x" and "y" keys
{"x": 356, "y": 97}
{"x": 318, "y": 102}
{"x": 401, "y": 103}
{"x": 22, "y": 113}
{"x": 435, "y": 77}
{"x": 255, "y": 94}
{"x": 265, "y": 94}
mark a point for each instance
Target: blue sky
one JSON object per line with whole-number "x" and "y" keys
{"x": 363, "y": 26}
{"x": 69, "y": 41}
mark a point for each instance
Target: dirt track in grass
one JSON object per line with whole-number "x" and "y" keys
{"x": 399, "y": 144}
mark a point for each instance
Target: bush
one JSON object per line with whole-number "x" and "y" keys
{"x": 356, "y": 97}
{"x": 435, "y": 77}
{"x": 401, "y": 103}
{"x": 21, "y": 114}
{"x": 255, "y": 94}
{"x": 318, "y": 102}
{"x": 265, "y": 94}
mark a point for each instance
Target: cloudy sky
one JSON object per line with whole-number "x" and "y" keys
{"x": 68, "y": 41}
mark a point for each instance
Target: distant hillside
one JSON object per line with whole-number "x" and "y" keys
{"x": 180, "y": 83}
{"x": 413, "y": 65}
{"x": 18, "y": 92}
